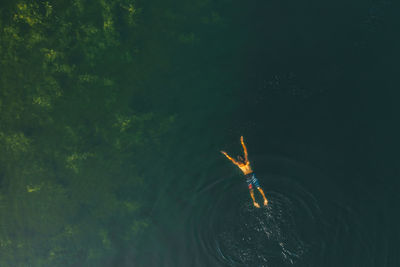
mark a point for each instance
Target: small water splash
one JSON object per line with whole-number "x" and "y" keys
{"x": 266, "y": 236}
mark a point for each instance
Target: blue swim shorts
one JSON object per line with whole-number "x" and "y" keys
{"x": 252, "y": 180}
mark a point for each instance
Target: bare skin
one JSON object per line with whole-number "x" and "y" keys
{"x": 244, "y": 166}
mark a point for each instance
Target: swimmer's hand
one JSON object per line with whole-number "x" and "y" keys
{"x": 256, "y": 204}
{"x": 265, "y": 202}
{"x": 226, "y": 155}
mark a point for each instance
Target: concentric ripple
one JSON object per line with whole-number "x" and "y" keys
{"x": 291, "y": 231}
{"x": 240, "y": 234}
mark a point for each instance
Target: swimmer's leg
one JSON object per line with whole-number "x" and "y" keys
{"x": 252, "y": 197}
{"x": 263, "y": 195}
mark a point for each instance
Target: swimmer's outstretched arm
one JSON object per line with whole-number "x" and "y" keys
{"x": 244, "y": 148}
{"x": 231, "y": 159}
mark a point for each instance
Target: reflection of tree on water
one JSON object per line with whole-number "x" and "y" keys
{"x": 72, "y": 143}
{"x": 80, "y": 122}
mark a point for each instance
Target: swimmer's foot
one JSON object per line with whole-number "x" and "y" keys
{"x": 265, "y": 202}
{"x": 256, "y": 204}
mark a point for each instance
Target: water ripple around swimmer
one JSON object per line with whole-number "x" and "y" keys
{"x": 229, "y": 231}
{"x": 267, "y": 236}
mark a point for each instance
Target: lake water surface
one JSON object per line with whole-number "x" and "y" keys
{"x": 120, "y": 163}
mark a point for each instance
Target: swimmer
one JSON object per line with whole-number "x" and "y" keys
{"x": 244, "y": 166}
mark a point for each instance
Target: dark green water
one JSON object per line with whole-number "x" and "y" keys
{"x": 114, "y": 113}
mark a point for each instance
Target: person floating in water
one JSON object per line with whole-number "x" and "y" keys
{"x": 244, "y": 165}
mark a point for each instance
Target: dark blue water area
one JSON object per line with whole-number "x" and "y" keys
{"x": 315, "y": 90}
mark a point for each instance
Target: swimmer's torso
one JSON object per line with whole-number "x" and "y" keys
{"x": 246, "y": 169}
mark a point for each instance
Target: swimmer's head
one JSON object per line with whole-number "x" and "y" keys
{"x": 240, "y": 159}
